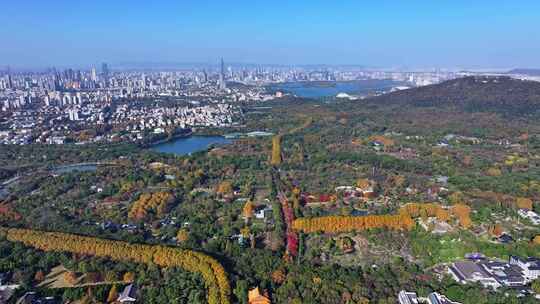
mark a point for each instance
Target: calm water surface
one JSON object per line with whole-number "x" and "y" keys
{"x": 358, "y": 87}
{"x": 188, "y": 145}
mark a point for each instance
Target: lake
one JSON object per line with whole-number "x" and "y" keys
{"x": 188, "y": 145}
{"x": 332, "y": 88}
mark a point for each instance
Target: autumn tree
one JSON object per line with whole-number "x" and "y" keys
{"x": 39, "y": 276}
{"x": 363, "y": 183}
{"x": 157, "y": 203}
{"x": 335, "y": 224}
{"x": 425, "y": 210}
{"x": 224, "y": 188}
{"x": 442, "y": 215}
{"x": 279, "y": 276}
{"x": 496, "y": 230}
{"x": 70, "y": 277}
{"x": 113, "y": 294}
{"x": 182, "y": 235}
{"x": 245, "y": 232}
{"x": 462, "y": 212}
{"x": 276, "y": 150}
{"x": 398, "y": 180}
{"x": 494, "y": 172}
{"x": 524, "y": 203}
{"x": 248, "y": 210}
{"x": 212, "y": 272}
{"x": 128, "y": 277}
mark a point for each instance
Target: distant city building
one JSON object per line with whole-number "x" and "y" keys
{"x": 222, "y": 80}
{"x": 93, "y": 74}
{"x": 105, "y": 70}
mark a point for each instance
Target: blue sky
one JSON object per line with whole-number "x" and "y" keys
{"x": 400, "y": 33}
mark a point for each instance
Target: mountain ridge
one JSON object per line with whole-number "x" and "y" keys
{"x": 472, "y": 93}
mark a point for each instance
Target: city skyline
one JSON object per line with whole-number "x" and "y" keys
{"x": 417, "y": 34}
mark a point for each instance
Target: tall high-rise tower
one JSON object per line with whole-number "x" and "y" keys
{"x": 93, "y": 75}
{"x": 205, "y": 75}
{"x": 105, "y": 69}
{"x": 222, "y": 84}
{"x": 9, "y": 80}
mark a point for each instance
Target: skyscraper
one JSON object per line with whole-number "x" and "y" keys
{"x": 205, "y": 76}
{"x": 222, "y": 84}
{"x": 105, "y": 70}
{"x": 9, "y": 80}
{"x": 93, "y": 75}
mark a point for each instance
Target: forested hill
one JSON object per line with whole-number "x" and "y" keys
{"x": 500, "y": 94}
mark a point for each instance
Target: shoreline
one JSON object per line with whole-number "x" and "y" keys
{"x": 168, "y": 139}
{"x": 220, "y": 140}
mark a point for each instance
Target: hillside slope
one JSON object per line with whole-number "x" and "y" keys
{"x": 500, "y": 94}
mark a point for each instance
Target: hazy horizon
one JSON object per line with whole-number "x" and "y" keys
{"x": 386, "y": 34}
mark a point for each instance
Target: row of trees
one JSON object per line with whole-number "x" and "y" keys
{"x": 276, "y": 150}
{"x": 334, "y": 224}
{"x": 157, "y": 202}
{"x": 291, "y": 237}
{"x": 415, "y": 210}
{"x": 460, "y": 211}
{"x": 213, "y": 273}
{"x": 276, "y": 157}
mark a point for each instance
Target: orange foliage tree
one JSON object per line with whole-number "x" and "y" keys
{"x": 335, "y": 224}
{"x": 442, "y": 215}
{"x": 524, "y": 203}
{"x": 422, "y": 210}
{"x": 213, "y": 274}
{"x": 182, "y": 235}
{"x": 70, "y": 277}
{"x": 128, "y": 277}
{"x": 158, "y": 203}
{"x": 113, "y": 294}
{"x": 279, "y": 276}
{"x": 496, "y": 230}
{"x": 462, "y": 212}
{"x": 225, "y": 187}
{"x": 248, "y": 210}
{"x": 276, "y": 150}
